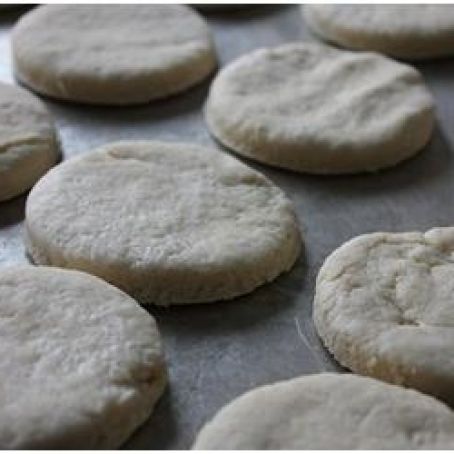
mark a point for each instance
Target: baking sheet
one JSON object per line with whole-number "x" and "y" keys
{"x": 216, "y": 352}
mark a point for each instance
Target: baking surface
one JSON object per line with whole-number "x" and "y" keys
{"x": 217, "y": 351}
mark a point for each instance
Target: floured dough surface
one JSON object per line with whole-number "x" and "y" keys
{"x": 112, "y": 54}
{"x": 166, "y": 222}
{"x": 311, "y": 108}
{"x": 330, "y": 411}
{"x": 402, "y": 31}
{"x": 384, "y": 307}
{"x": 80, "y": 361}
{"x": 28, "y": 142}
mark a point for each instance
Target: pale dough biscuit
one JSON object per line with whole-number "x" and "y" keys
{"x": 166, "y": 222}
{"x": 384, "y": 307}
{"x": 80, "y": 361}
{"x": 28, "y": 141}
{"x": 402, "y": 31}
{"x": 112, "y": 54}
{"x": 330, "y": 411}
{"x": 311, "y": 108}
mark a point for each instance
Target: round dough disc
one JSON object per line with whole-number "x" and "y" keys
{"x": 330, "y": 411}
{"x": 112, "y": 54}
{"x": 80, "y": 361}
{"x": 311, "y": 108}
{"x": 167, "y": 223}
{"x": 384, "y": 307}
{"x": 402, "y": 31}
{"x": 28, "y": 142}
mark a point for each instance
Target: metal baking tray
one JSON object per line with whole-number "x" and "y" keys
{"x": 216, "y": 352}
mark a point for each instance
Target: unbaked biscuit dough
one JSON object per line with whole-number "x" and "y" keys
{"x": 311, "y": 108}
{"x": 402, "y": 31}
{"x": 169, "y": 223}
{"x": 112, "y": 54}
{"x": 80, "y": 361}
{"x": 330, "y": 411}
{"x": 384, "y": 307}
{"x": 28, "y": 142}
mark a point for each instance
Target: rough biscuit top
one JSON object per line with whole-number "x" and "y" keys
{"x": 112, "y": 54}
{"x": 384, "y": 306}
{"x": 81, "y": 362}
{"x": 312, "y": 108}
{"x": 25, "y": 127}
{"x": 28, "y": 141}
{"x": 406, "y": 31}
{"x": 330, "y": 411}
{"x": 187, "y": 221}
